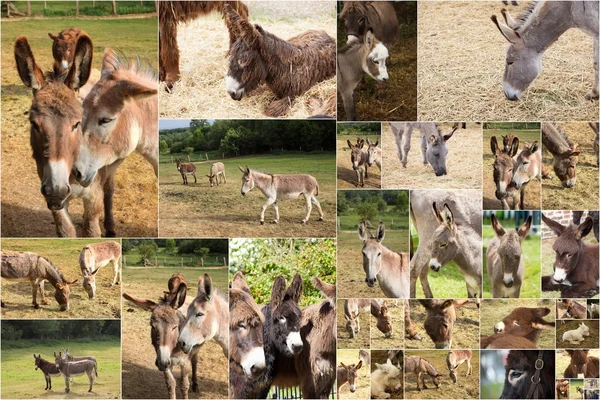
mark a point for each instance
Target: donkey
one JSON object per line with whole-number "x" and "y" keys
{"x": 534, "y": 32}
{"x": 528, "y": 166}
{"x": 358, "y": 16}
{"x": 30, "y": 267}
{"x": 55, "y": 117}
{"x": 289, "y": 68}
{"x": 529, "y": 374}
{"x": 186, "y": 169}
{"x": 247, "y": 355}
{"x": 279, "y": 187}
{"x": 520, "y": 329}
{"x": 592, "y": 310}
{"x": 596, "y": 128}
{"x": 365, "y": 357}
{"x": 353, "y": 60}
{"x": 69, "y": 369}
{"x": 582, "y": 364}
{"x": 562, "y": 389}
{"x": 173, "y": 284}
{"x": 379, "y": 310}
{"x": 576, "y": 336}
{"x": 359, "y": 159}
{"x": 48, "y": 369}
{"x": 410, "y": 330}
{"x": 95, "y": 256}
{"x": 577, "y": 215}
{"x": 217, "y": 174}
{"x": 565, "y": 153}
{"x": 505, "y": 264}
{"x": 576, "y": 264}
{"x": 433, "y": 143}
{"x": 120, "y": 116}
{"x": 375, "y": 154}
{"x": 347, "y": 374}
{"x": 67, "y": 356}
{"x": 574, "y": 310}
{"x": 386, "y": 378}
{"x": 504, "y": 165}
{"x": 352, "y": 309}
{"x": 64, "y": 46}
{"x": 455, "y": 359}
{"x": 420, "y": 366}
{"x": 383, "y": 265}
{"x": 441, "y": 316}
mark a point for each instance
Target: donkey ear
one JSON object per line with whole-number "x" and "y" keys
{"x": 82, "y": 63}
{"x": 95, "y": 271}
{"x": 52, "y": 36}
{"x": 132, "y": 90}
{"x": 510, "y": 34}
{"x": 179, "y": 298}
{"x": 510, "y": 21}
{"x": 239, "y": 282}
{"x": 295, "y": 290}
{"x": 448, "y": 217}
{"x": 207, "y": 287}
{"x": 72, "y": 282}
{"x": 514, "y": 147}
{"x": 145, "y": 304}
{"x": 368, "y": 142}
{"x": 376, "y": 143}
{"x": 248, "y": 33}
{"x": 362, "y": 231}
{"x": 359, "y": 364}
{"x": 585, "y": 227}
{"x": 231, "y": 20}
{"x": 343, "y": 365}
{"x": 277, "y": 292}
{"x": 242, "y": 169}
{"x": 109, "y": 63}
{"x": 524, "y": 229}
{"x": 534, "y": 147}
{"x": 437, "y": 214}
{"x": 449, "y": 135}
{"x": 380, "y": 232}
{"x": 369, "y": 37}
{"x": 557, "y": 227}
{"x": 574, "y": 150}
{"x": 349, "y": 143}
{"x": 494, "y": 145}
{"x": 497, "y": 226}
{"x": 31, "y": 75}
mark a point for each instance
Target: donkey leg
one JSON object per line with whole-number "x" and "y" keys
{"x": 278, "y": 107}
{"x": 406, "y": 147}
{"x": 34, "y": 290}
{"x": 171, "y": 383}
{"x": 424, "y": 148}
{"x": 270, "y": 200}
{"x": 195, "y": 180}
{"x": 92, "y": 209}
{"x": 349, "y": 106}
{"x": 308, "y": 208}
{"x": 468, "y": 367}
{"x": 276, "y": 208}
{"x": 109, "y": 221}
{"x": 185, "y": 381}
{"x": 318, "y": 205}
{"x": 67, "y": 387}
{"x": 115, "y": 264}
{"x": 90, "y": 375}
{"x": 593, "y": 94}
{"x": 419, "y": 269}
{"x": 64, "y": 225}
{"x": 42, "y": 292}
{"x": 194, "y": 360}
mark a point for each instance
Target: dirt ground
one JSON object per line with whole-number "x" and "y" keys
{"x": 589, "y": 342}
{"x": 380, "y": 357}
{"x": 493, "y": 311}
{"x": 461, "y": 63}
{"x": 345, "y": 174}
{"x": 141, "y": 379}
{"x": 465, "y": 334}
{"x": 563, "y": 360}
{"x": 467, "y": 387}
{"x": 463, "y": 161}
{"x": 378, "y": 339}
{"x": 203, "y": 44}
{"x": 363, "y": 381}
{"x": 584, "y": 195}
{"x": 65, "y": 255}
{"x": 362, "y": 340}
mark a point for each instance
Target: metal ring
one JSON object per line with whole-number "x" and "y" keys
{"x": 534, "y": 381}
{"x": 539, "y": 363}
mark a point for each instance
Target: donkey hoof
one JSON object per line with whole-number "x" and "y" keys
{"x": 262, "y": 222}
{"x": 111, "y": 284}
{"x": 111, "y": 233}
{"x": 195, "y": 388}
{"x": 303, "y": 222}
{"x": 275, "y": 221}
{"x": 36, "y": 306}
{"x": 89, "y": 391}
{"x": 320, "y": 219}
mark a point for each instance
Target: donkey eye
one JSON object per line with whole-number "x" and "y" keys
{"x": 74, "y": 127}
{"x": 104, "y": 121}
{"x": 509, "y": 63}
{"x": 242, "y": 325}
{"x": 281, "y": 320}
{"x": 375, "y": 62}
{"x": 175, "y": 327}
{"x": 200, "y": 314}
{"x": 443, "y": 244}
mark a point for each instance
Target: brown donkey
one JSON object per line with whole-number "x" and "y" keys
{"x": 63, "y": 47}
{"x": 186, "y": 169}
{"x": 455, "y": 359}
{"x": 359, "y": 159}
{"x": 582, "y": 364}
{"x": 379, "y": 310}
{"x": 574, "y": 310}
{"x": 48, "y": 369}
{"x": 347, "y": 374}
{"x": 504, "y": 164}
{"x": 520, "y": 329}
{"x": 565, "y": 153}
{"x": 562, "y": 389}
{"x": 441, "y": 315}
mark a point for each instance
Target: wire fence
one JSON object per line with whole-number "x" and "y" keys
{"x": 174, "y": 261}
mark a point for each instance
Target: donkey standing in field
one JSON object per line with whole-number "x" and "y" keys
{"x": 280, "y": 187}
{"x": 389, "y": 268}
{"x": 358, "y": 16}
{"x": 505, "y": 263}
{"x": 95, "y": 256}
{"x": 433, "y": 143}
{"x": 420, "y": 366}
{"x": 347, "y": 374}
{"x": 48, "y": 369}
{"x": 289, "y": 68}
{"x": 186, "y": 169}
{"x": 455, "y": 359}
{"x": 375, "y": 154}
{"x": 69, "y": 369}
{"x": 217, "y": 174}
{"x": 529, "y": 374}
{"x": 30, "y": 267}
{"x": 359, "y": 159}
{"x": 535, "y": 31}
{"x": 441, "y": 316}
{"x": 565, "y": 153}
{"x": 64, "y": 46}
{"x": 353, "y": 60}
{"x": 504, "y": 164}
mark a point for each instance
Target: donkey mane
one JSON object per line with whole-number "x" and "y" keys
{"x": 60, "y": 275}
{"x": 525, "y": 16}
{"x": 122, "y": 63}
{"x": 430, "y": 368}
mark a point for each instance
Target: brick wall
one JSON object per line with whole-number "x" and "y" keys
{"x": 565, "y": 217}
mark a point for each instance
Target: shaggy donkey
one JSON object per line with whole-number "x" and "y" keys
{"x": 582, "y": 364}
{"x": 565, "y": 153}
{"x": 529, "y": 374}
{"x": 289, "y": 68}
{"x": 576, "y": 336}
{"x": 386, "y": 378}
{"x": 63, "y": 47}
{"x": 535, "y": 31}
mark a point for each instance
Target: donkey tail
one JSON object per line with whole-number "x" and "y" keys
{"x": 96, "y": 368}
{"x": 317, "y": 191}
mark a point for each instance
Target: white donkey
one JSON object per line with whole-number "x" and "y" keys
{"x": 95, "y": 256}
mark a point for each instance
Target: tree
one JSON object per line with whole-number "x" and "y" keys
{"x": 170, "y": 246}
{"x": 164, "y": 147}
{"x": 402, "y": 203}
{"x": 366, "y": 211}
{"x": 381, "y": 205}
{"x": 188, "y": 151}
{"x": 147, "y": 249}
{"x": 202, "y": 252}
{"x": 114, "y": 4}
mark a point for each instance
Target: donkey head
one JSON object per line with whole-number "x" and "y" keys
{"x": 63, "y": 47}
{"x": 283, "y": 328}
{"x": 565, "y": 166}
{"x": 352, "y": 371}
{"x": 579, "y": 360}
{"x": 247, "y": 180}
{"x": 89, "y": 282}
{"x": 372, "y": 151}
{"x": 520, "y": 369}
{"x": 521, "y": 172}
{"x": 437, "y": 151}
{"x": 38, "y": 361}
{"x": 509, "y": 249}
{"x": 245, "y": 330}
{"x": 568, "y": 245}
{"x": 62, "y": 293}
{"x": 371, "y": 251}
{"x": 377, "y": 54}
{"x": 356, "y": 154}
{"x": 503, "y": 165}
{"x": 525, "y": 322}
{"x": 562, "y": 389}
{"x": 107, "y": 116}
{"x": 355, "y": 19}
{"x": 201, "y": 317}
{"x": 523, "y": 62}
{"x": 55, "y": 117}
{"x": 384, "y": 320}
{"x": 444, "y": 245}
{"x": 212, "y": 179}
{"x": 441, "y": 315}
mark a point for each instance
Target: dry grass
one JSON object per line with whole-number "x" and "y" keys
{"x": 463, "y": 161}
{"x": 378, "y": 339}
{"x": 584, "y": 195}
{"x": 563, "y": 360}
{"x": 461, "y": 64}
{"x": 362, "y": 340}
{"x": 345, "y": 174}
{"x": 203, "y": 44}
{"x": 589, "y": 342}
{"x": 363, "y": 379}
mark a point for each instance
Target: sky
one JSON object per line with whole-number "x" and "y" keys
{"x": 173, "y": 123}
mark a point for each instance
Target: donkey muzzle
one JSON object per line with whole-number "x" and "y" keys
{"x": 370, "y": 281}
{"x": 435, "y": 265}
{"x": 56, "y": 196}
{"x": 163, "y": 365}
{"x": 443, "y": 345}
{"x": 441, "y": 172}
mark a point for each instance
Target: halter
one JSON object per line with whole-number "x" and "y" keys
{"x": 534, "y": 389}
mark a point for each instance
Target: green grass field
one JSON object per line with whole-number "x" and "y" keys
{"x": 21, "y": 381}
{"x": 86, "y": 8}
{"x": 197, "y": 210}
{"x": 133, "y": 259}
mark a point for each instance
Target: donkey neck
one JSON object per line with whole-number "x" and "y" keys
{"x": 469, "y": 248}
{"x": 264, "y": 182}
{"x": 350, "y": 60}
{"x": 51, "y": 273}
{"x": 546, "y": 23}
{"x": 431, "y": 371}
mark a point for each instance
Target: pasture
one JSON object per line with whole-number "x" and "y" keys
{"x": 197, "y": 210}
{"x": 463, "y": 161}
{"x": 141, "y": 379}
{"x": 362, "y": 340}
{"x": 589, "y": 342}
{"x": 378, "y": 339}
{"x": 467, "y": 387}
{"x": 65, "y": 255}
{"x": 21, "y": 381}
{"x": 24, "y": 210}
{"x": 204, "y": 63}
{"x": 346, "y": 176}
{"x": 563, "y": 360}
{"x": 584, "y": 195}
{"x": 380, "y": 357}
{"x": 493, "y": 311}
{"x": 533, "y": 190}
{"x": 462, "y": 57}
{"x": 363, "y": 378}
{"x": 465, "y": 334}
{"x": 573, "y": 385}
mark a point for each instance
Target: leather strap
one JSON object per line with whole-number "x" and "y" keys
{"x": 534, "y": 389}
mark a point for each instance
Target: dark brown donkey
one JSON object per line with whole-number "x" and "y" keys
{"x": 378, "y": 15}
{"x": 48, "y": 368}
{"x": 562, "y": 389}
{"x": 520, "y": 329}
{"x": 63, "y": 47}
{"x": 186, "y": 169}
{"x": 582, "y": 363}
{"x": 529, "y": 375}
{"x": 565, "y": 153}
{"x": 576, "y": 263}
{"x": 574, "y": 310}
{"x": 55, "y": 118}
{"x": 441, "y": 315}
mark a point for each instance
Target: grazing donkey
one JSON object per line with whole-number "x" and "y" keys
{"x": 120, "y": 116}
{"x": 383, "y": 265}
{"x": 433, "y": 143}
{"x": 347, "y": 374}
{"x": 359, "y": 159}
{"x": 95, "y": 256}
{"x": 504, "y": 165}
{"x": 576, "y": 264}
{"x": 535, "y": 31}
{"x": 186, "y": 169}
{"x": 562, "y": 389}
{"x": 375, "y": 154}
{"x": 48, "y": 369}
{"x": 379, "y": 310}
{"x": 358, "y": 16}
{"x": 505, "y": 264}
{"x": 64, "y": 46}
{"x": 289, "y": 68}
{"x": 455, "y": 359}
{"x": 441, "y": 316}
{"x": 279, "y": 187}
{"x": 217, "y": 174}
{"x": 386, "y": 378}
{"x": 35, "y": 269}
{"x": 529, "y": 374}
{"x": 420, "y": 366}
{"x": 576, "y": 336}
{"x": 353, "y": 60}
{"x": 520, "y": 329}
{"x": 69, "y": 369}
{"x": 581, "y": 364}
{"x": 352, "y": 309}
{"x": 565, "y": 153}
